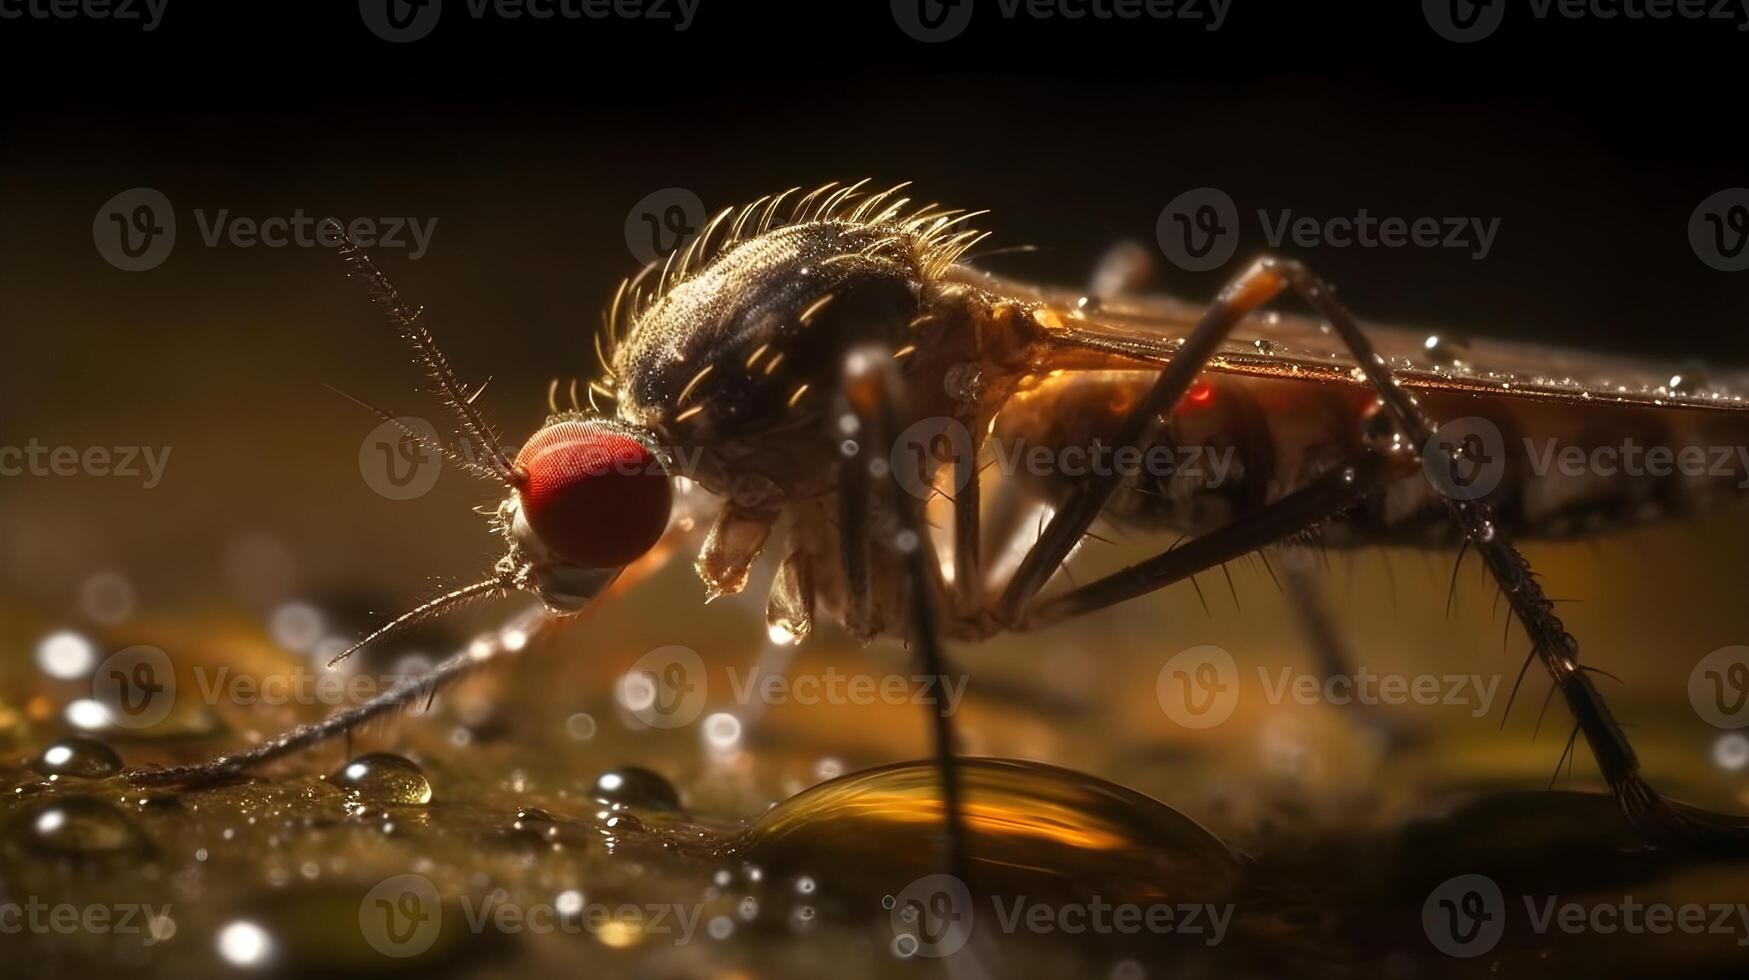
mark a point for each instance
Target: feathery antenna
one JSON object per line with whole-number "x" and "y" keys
{"x": 425, "y": 350}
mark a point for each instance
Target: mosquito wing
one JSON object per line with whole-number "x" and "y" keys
{"x": 1149, "y": 329}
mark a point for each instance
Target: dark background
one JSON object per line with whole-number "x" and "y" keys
{"x": 1592, "y": 141}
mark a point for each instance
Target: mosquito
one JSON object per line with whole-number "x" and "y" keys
{"x": 792, "y": 349}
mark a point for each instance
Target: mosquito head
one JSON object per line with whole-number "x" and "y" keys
{"x": 587, "y": 495}
{"x": 591, "y": 495}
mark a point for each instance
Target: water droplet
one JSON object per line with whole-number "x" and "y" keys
{"x": 77, "y": 755}
{"x": 1264, "y": 346}
{"x": 1692, "y": 378}
{"x": 382, "y": 777}
{"x": 76, "y": 826}
{"x": 1042, "y": 830}
{"x": 748, "y": 909}
{"x": 533, "y": 817}
{"x": 637, "y": 787}
{"x": 1447, "y": 350}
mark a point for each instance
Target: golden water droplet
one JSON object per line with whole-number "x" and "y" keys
{"x": 77, "y": 755}
{"x": 75, "y": 826}
{"x": 1052, "y": 834}
{"x": 382, "y": 777}
{"x": 637, "y": 787}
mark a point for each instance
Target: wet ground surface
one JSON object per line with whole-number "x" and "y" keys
{"x": 533, "y": 822}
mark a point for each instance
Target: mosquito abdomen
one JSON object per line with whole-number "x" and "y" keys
{"x": 1235, "y": 444}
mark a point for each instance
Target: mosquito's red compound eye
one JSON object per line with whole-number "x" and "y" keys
{"x": 594, "y": 495}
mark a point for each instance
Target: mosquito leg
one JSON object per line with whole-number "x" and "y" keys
{"x": 1141, "y": 425}
{"x": 1312, "y": 504}
{"x": 409, "y": 691}
{"x": 873, "y": 395}
{"x": 1550, "y": 641}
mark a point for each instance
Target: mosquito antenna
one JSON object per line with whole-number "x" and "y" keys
{"x": 426, "y": 352}
{"x": 447, "y": 452}
{"x": 443, "y": 603}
